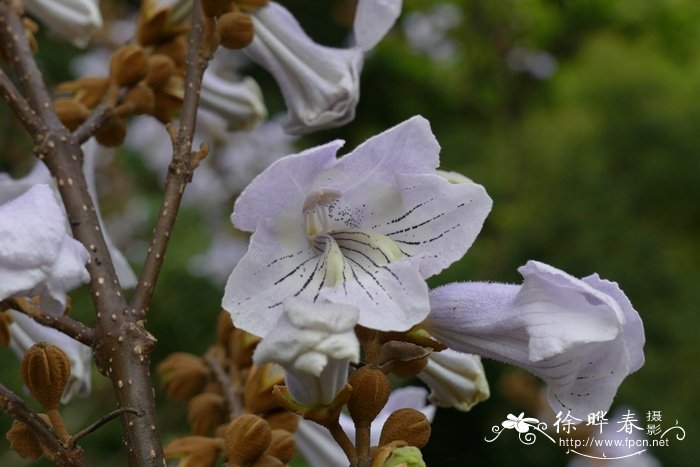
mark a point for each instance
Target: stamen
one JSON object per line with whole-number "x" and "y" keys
{"x": 315, "y": 211}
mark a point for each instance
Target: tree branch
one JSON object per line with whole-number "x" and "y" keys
{"x": 58, "y": 452}
{"x": 63, "y": 323}
{"x": 19, "y": 105}
{"x": 183, "y": 163}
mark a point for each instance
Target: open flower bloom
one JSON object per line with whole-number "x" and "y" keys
{"x": 40, "y": 175}
{"x": 456, "y": 379}
{"x": 315, "y": 343}
{"x": 365, "y": 230}
{"x": 25, "y": 332}
{"x": 37, "y": 256}
{"x": 320, "y": 84}
{"x": 71, "y": 20}
{"x": 320, "y": 450}
{"x": 581, "y": 336}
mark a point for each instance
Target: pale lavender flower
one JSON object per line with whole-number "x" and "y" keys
{"x": 315, "y": 344}
{"x": 581, "y": 336}
{"x": 455, "y": 379}
{"x": 320, "y": 84}
{"x": 428, "y": 31}
{"x": 366, "y": 229}
{"x": 71, "y": 20}
{"x": 320, "y": 450}
{"x": 37, "y": 256}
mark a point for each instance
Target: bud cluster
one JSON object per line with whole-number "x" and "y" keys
{"x": 45, "y": 371}
{"x": 231, "y": 409}
{"x": 145, "y": 77}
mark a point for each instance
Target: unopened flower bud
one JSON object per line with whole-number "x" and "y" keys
{"x": 241, "y": 348}
{"x": 141, "y": 99}
{"x": 235, "y": 30}
{"x": 88, "y": 90}
{"x": 112, "y": 133}
{"x": 5, "y": 321}
{"x": 129, "y": 65}
{"x": 409, "y": 425}
{"x": 160, "y": 68}
{"x": 45, "y": 371}
{"x": 216, "y": 8}
{"x": 370, "y": 391}
{"x": 183, "y": 375}
{"x": 71, "y": 112}
{"x": 284, "y": 420}
{"x": 205, "y": 412}
{"x": 251, "y": 4}
{"x": 194, "y": 451}
{"x": 23, "y": 441}
{"x": 267, "y": 461}
{"x": 246, "y": 438}
{"x": 407, "y": 456}
{"x": 175, "y": 49}
{"x": 257, "y": 392}
{"x": 224, "y": 328}
{"x": 282, "y": 446}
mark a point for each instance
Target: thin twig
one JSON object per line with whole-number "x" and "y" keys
{"x": 17, "y": 47}
{"x": 63, "y": 323}
{"x": 20, "y": 106}
{"x": 103, "y": 420}
{"x": 343, "y": 441}
{"x": 58, "y": 452}
{"x": 181, "y": 167}
{"x": 213, "y": 359}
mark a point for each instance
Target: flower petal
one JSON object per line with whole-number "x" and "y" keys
{"x": 72, "y": 20}
{"x": 456, "y": 380}
{"x": 320, "y": 84}
{"x": 373, "y": 19}
{"x": 579, "y": 339}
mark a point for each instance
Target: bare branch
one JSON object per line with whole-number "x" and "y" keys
{"x": 21, "y": 107}
{"x": 183, "y": 164}
{"x": 58, "y": 452}
{"x": 63, "y": 323}
{"x": 103, "y": 420}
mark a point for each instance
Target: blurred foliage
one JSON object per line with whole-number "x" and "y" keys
{"x": 594, "y": 167}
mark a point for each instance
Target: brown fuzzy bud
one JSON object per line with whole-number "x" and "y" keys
{"x": 224, "y": 328}
{"x": 194, "y": 451}
{"x": 175, "y": 49}
{"x": 267, "y": 461}
{"x": 112, "y": 133}
{"x": 88, "y": 90}
{"x": 235, "y": 30}
{"x": 183, "y": 375}
{"x": 370, "y": 392}
{"x": 409, "y": 425}
{"x": 23, "y": 441}
{"x": 282, "y": 446}
{"x": 141, "y": 99}
{"x": 129, "y": 65}
{"x": 283, "y": 420}
{"x": 160, "y": 68}
{"x": 251, "y": 4}
{"x": 5, "y": 321}
{"x": 257, "y": 392}
{"x": 216, "y": 8}
{"x": 205, "y": 412}
{"x": 45, "y": 371}
{"x": 246, "y": 438}
{"x": 71, "y": 112}
{"x": 241, "y": 348}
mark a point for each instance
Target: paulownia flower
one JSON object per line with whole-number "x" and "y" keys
{"x": 455, "y": 379}
{"x": 320, "y": 450}
{"x": 71, "y": 20}
{"x": 581, "y": 336}
{"x": 315, "y": 343}
{"x": 25, "y": 332}
{"x": 36, "y": 254}
{"x": 320, "y": 84}
{"x": 365, "y": 230}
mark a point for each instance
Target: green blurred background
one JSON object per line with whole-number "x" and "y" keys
{"x": 582, "y": 120}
